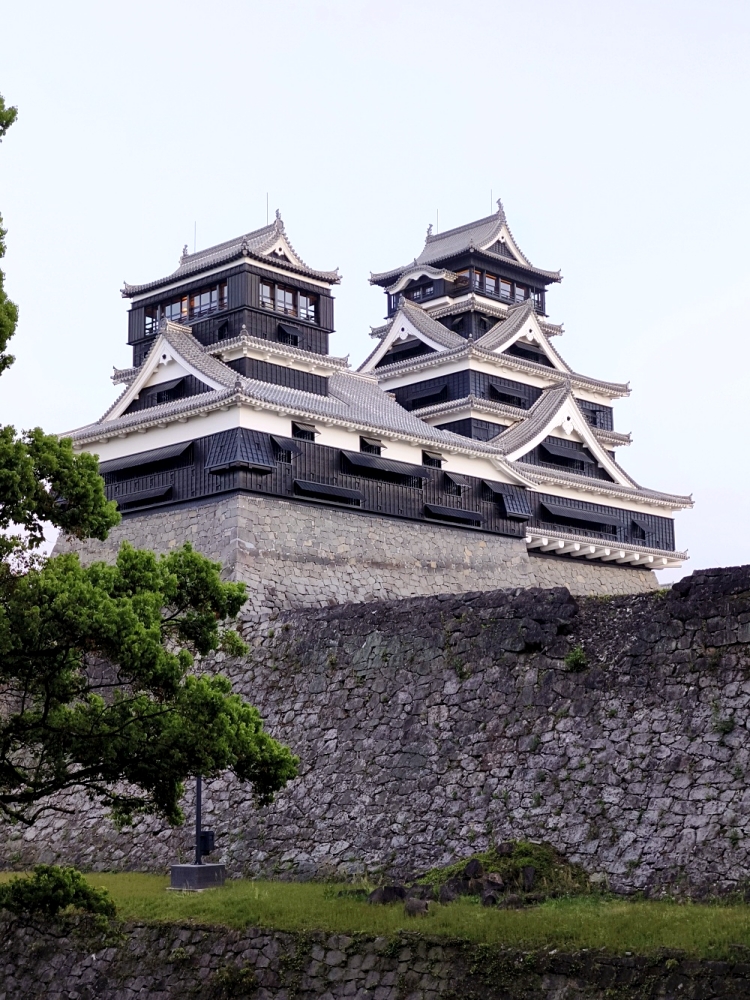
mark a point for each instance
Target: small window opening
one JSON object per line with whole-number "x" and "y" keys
{"x": 370, "y": 446}
{"x": 303, "y": 432}
{"x": 432, "y": 459}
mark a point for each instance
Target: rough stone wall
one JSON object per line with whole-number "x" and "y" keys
{"x": 429, "y": 728}
{"x": 168, "y": 961}
{"x": 301, "y": 555}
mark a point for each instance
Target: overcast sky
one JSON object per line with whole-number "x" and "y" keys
{"x": 615, "y": 133}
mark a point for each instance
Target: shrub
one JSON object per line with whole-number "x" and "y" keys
{"x": 576, "y": 660}
{"x": 51, "y": 891}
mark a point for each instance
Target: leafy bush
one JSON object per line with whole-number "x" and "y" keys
{"x": 51, "y": 891}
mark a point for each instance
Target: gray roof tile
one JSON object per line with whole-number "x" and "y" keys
{"x": 473, "y": 235}
{"x": 254, "y": 244}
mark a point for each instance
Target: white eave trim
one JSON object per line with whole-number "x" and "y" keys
{"x": 564, "y": 544}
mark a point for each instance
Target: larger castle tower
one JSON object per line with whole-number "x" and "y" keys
{"x": 464, "y": 454}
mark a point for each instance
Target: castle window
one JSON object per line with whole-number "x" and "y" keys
{"x": 521, "y": 292}
{"x": 370, "y": 446}
{"x": 285, "y": 301}
{"x": 204, "y": 302}
{"x": 288, "y": 336}
{"x": 415, "y": 294}
{"x": 177, "y": 311}
{"x": 429, "y": 290}
{"x": 303, "y": 432}
{"x": 432, "y": 459}
{"x": 476, "y": 280}
{"x": 308, "y": 307}
{"x": 538, "y": 300}
{"x": 152, "y": 320}
{"x": 505, "y": 289}
{"x": 490, "y": 284}
{"x": 453, "y": 484}
{"x": 266, "y": 295}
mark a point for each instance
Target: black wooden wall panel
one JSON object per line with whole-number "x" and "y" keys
{"x": 326, "y": 312}
{"x": 136, "y": 324}
{"x": 318, "y": 463}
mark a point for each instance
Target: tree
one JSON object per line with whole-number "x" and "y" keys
{"x": 97, "y": 688}
{"x": 8, "y": 310}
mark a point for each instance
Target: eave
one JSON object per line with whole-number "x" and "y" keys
{"x": 611, "y": 390}
{"x": 562, "y": 543}
{"x": 541, "y": 476}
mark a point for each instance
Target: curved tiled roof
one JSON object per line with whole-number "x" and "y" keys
{"x": 255, "y": 244}
{"x": 426, "y": 269}
{"x": 504, "y": 331}
{"x": 471, "y": 348}
{"x": 537, "y": 418}
{"x": 473, "y": 235}
{"x": 424, "y": 323}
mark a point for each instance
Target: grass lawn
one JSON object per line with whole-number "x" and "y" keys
{"x": 619, "y": 926}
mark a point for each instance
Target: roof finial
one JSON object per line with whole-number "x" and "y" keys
{"x": 184, "y": 253}
{"x": 429, "y": 231}
{"x": 500, "y": 209}
{"x": 278, "y": 223}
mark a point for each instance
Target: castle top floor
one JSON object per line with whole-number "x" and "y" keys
{"x": 256, "y": 284}
{"x": 480, "y": 258}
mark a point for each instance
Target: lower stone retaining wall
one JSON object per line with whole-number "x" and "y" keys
{"x": 304, "y": 555}
{"x": 194, "y": 963}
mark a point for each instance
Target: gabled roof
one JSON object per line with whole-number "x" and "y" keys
{"x": 352, "y": 400}
{"x": 270, "y": 244}
{"x": 482, "y": 235}
{"x": 411, "y": 320}
{"x": 176, "y": 344}
{"x": 471, "y": 349}
{"x": 557, "y": 409}
{"x": 522, "y": 321}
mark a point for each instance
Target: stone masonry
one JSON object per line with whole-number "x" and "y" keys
{"x": 429, "y": 728}
{"x": 304, "y": 555}
{"x": 173, "y": 962}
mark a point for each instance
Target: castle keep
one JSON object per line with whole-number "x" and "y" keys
{"x": 463, "y": 454}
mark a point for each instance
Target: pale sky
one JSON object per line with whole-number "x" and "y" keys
{"x": 615, "y": 133}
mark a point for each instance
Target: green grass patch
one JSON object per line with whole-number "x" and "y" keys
{"x": 552, "y": 872}
{"x": 569, "y": 924}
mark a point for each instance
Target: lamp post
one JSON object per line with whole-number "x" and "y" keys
{"x": 199, "y": 876}
{"x": 198, "y": 804}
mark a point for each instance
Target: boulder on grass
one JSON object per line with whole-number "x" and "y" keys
{"x": 421, "y": 892}
{"x": 447, "y": 894}
{"x": 416, "y": 907}
{"x": 387, "y": 894}
{"x": 490, "y": 898}
{"x": 473, "y": 869}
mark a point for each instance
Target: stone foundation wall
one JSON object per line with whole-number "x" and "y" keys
{"x": 169, "y": 961}
{"x": 430, "y": 728}
{"x": 302, "y": 555}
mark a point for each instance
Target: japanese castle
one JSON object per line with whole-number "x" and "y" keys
{"x": 464, "y": 415}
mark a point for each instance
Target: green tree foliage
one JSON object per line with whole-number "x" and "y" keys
{"x": 97, "y": 687}
{"x": 8, "y": 309}
{"x": 52, "y": 891}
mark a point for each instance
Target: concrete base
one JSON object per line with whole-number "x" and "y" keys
{"x": 194, "y": 878}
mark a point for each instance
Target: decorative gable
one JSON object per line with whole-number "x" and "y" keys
{"x": 566, "y": 421}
